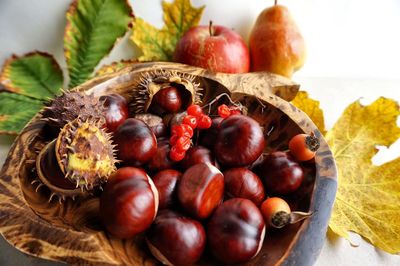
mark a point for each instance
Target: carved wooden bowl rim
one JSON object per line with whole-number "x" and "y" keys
{"x": 305, "y": 246}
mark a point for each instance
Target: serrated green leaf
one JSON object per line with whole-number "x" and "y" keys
{"x": 93, "y": 27}
{"x": 16, "y": 111}
{"x": 159, "y": 44}
{"x": 36, "y": 75}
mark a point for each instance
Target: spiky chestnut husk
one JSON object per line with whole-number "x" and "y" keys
{"x": 50, "y": 175}
{"x": 71, "y": 105}
{"x": 152, "y": 82}
{"x": 85, "y": 153}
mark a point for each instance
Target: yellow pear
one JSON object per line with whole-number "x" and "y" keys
{"x": 276, "y": 44}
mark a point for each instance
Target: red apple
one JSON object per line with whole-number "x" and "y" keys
{"x": 216, "y": 48}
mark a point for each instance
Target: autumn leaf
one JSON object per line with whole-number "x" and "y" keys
{"x": 35, "y": 75}
{"x": 368, "y": 196}
{"x": 16, "y": 111}
{"x": 114, "y": 67}
{"x": 91, "y": 32}
{"x": 28, "y": 81}
{"x": 311, "y": 108}
{"x": 159, "y": 44}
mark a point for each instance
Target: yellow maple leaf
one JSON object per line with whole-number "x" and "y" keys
{"x": 159, "y": 44}
{"x": 311, "y": 108}
{"x": 368, "y": 196}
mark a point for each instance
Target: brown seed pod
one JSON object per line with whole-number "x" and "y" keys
{"x": 85, "y": 153}
{"x": 50, "y": 175}
{"x": 71, "y": 105}
{"x": 152, "y": 82}
{"x": 80, "y": 159}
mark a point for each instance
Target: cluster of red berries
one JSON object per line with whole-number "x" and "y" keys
{"x": 181, "y": 135}
{"x": 225, "y": 111}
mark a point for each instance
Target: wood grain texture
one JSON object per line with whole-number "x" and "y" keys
{"x": 71, "y": 231}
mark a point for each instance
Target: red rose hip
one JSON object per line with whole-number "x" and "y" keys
{"x": 166, "y": 182}
{"x": 243, "y": 183}
{"x": 136, "y": 143}
{"x": 236, "y": 231}
{"x": 201, "y": 190}
{"x": 240, "y": 141}
{"x": 175, "y": 239}
{"x": 129, "y": 202}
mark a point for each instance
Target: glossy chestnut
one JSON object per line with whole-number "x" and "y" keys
{"x": 166, "y": 182}
{"x": 240, "y": 141}
{"x": 155, "y": 123}
{"x": 175, "y": 239}
{"x": 136, "y": 143}
{"x": 280, "y": 173}
{"x": 197, "y": 154}
{"x": 161, "y": 160}
{"x": 167, "y": 100}
{"x": 243, "y": 183}
{"x": 208, "y": 137}
{"x": 129, "y": 202}
{"x": 201, "y": 190}
{"x": 116, "y": 110}
{"x": 236, "y": 230}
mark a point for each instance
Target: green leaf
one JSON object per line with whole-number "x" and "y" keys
{"x": 16, "y": 111}
{"x": 159, "y": 44}
{"x": 93, "y": 27}
{"x": 36, "y": 75}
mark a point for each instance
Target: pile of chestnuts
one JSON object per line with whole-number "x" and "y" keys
{"x": 194, "y": 179}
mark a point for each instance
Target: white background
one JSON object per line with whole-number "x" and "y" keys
{"x": 353, "y": 52}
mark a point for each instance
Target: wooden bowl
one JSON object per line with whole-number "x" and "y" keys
{"x": 70, "y": 232}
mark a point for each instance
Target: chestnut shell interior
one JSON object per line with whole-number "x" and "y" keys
{"x": 81, "y": 215}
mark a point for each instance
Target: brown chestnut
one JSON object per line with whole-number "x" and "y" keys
{"x": 280, "y": 173}
{"x": 197, "y": 154}
{"x": 155, "y": 123}
{"x": 175, "y": 239}
{"x": 116, "y": 110}
{"x": 209, "y": 136}
{"x": 201, "y": 190}
{"x": 236, "y": 231}
{"x": 243, "y": 183}
{"x": 129, "y": 202}
{"x": 136, "y": 143}
{"x": 167, "y": 100}
{"x": 240, "y": 141}
{"x": 166, "y": 182}
{"x": 160, "y": 159}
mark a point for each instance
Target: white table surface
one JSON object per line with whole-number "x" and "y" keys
{"x": 332, "y": 74}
